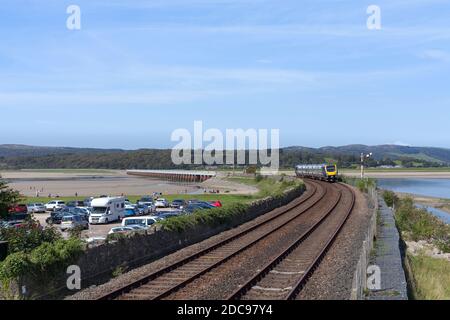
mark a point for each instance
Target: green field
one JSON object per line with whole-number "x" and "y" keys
{"x": 266, "y": 187}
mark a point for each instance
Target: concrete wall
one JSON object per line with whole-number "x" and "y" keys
{"x": 359, "y": 284}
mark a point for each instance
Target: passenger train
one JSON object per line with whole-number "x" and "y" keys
{"x": 325, "y": 172}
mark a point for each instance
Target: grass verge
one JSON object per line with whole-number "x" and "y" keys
{"x": 431, "y": 277}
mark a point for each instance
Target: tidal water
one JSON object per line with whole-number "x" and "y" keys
{"x": 438, "y": 188}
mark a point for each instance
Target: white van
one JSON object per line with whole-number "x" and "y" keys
{"x": 105, "y": 210}
{"x": 139, "y": 221}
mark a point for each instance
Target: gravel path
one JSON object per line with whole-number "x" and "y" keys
{"x": 332, "y": 280}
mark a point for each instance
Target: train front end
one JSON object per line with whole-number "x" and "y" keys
{"x": 331, "y": 173}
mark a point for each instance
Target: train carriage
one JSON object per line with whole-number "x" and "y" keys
{"x": 325, "y": 172}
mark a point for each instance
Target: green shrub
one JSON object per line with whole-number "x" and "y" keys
{"x": 28, "y": 237}
{"x": 390, "y": 198}
{"x": 43, "y": 262}
{"x": 418, "y": 224}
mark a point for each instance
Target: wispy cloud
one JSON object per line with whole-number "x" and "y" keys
{"x": 438, "y": 55}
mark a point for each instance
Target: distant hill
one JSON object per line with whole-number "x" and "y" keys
{"x": 393, "y": 152}
{"x": 19, "y": 150}
{"x": 30, "y": 157}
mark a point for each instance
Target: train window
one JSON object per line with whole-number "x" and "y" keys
{"x": 331, "y": 168}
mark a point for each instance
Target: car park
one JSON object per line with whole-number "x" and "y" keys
{"x": 55, "y": 204}
{"x": 161, "y": 203}
{"x": 36, "y": 208}
{"x": 178, "y": 204}
{"x": 73, "y": 221}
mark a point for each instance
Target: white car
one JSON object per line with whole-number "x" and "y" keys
{"x": 161, "y": 203}
{"x": 120, "y": 230}
{"x": 146, "y": 222}
{"x": 36, "y": 208}
{"x": 55, "y": 204}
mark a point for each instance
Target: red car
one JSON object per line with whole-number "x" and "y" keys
{"x": 18, "y": 208}
{"x": 217, "y": 203}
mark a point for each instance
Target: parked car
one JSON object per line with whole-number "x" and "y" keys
{"x": 73, "y": 221}
{"x": 148, "y": 201}
{"x": 18, "y": 216}
{"x": 95, "y": 240}
{"x": 36, "y": 208}
{"x": 120, "y": 230}
{"x": 141, "y": 221}
{"x": 161, "y": 203}
{"x": 87, "y": 202}
{"x": 136, "y": 227}
{"x": 192, "y": 207}
{"x": 168, "y": 215}
{"x": 4, "y": 224}
{"x": 131, "y": 212}
{"x": 75, "y": 203}
{"x": 178, "y": 204}
{"x": 55, "y": 204}
{"x": 18, "y": 208}
{"x": 216, "y": 203}
{"x": 56, "y": 217}
{"x": 143, "y": 209}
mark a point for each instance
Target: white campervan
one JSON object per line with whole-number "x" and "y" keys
{"x": 105, "y": 210}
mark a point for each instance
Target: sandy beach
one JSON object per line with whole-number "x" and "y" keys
{"x": 65, "y": 183}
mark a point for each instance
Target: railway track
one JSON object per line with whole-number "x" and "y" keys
{"x": 310, "y": 210}
{"x": 284, "y": 276}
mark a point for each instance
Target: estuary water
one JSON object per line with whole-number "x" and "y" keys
{"x": 438, "y": 188}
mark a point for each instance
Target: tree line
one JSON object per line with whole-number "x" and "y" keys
{"x": 161, "y": 159}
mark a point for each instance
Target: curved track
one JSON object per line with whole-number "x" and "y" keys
{"x": 313, "y": 211}
{"x": 285, "y": 276}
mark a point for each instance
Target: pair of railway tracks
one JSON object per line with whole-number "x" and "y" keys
{"x": 321, "y": 212}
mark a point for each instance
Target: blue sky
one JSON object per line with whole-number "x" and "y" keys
{"x": 137, "y": 70}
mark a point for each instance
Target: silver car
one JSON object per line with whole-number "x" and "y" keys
{"x": 36, "y": 208}
{"x": 74, "y": 221}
